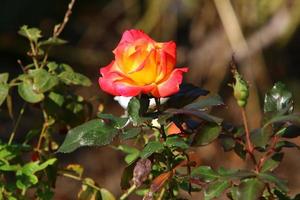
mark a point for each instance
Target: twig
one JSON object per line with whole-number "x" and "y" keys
{"x": 128, "y": 192}
{"x": 17, "y": 124}
{"x": 59, "y": 28}
{"x": 161, "y": 194}
{"x": 79, "y": 179}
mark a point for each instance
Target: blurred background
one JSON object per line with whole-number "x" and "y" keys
{"x": 263, "y": 36}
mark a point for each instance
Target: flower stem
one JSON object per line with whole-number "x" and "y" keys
{"x": 249, "y": 145}
{"x": 128, "y": 192}
{"x": 162, "y": 127}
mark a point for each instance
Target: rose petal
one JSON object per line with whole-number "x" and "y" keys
{"x": 127, "y": 90}
{"x": 133, "y": 35}
{"x": 171, "y": 85}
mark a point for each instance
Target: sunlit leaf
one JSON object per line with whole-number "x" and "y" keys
{"x": 278, "y": 99}
{"x": 43, "y": 81}
{"x": 134, "y": 109}
{"x": 52, "y": 41}
{"x": 27, "y": 92}
{"x": 4, "y": 88}
{"x": 33, "y": 34}
{"x": 177, "y": 142}
{"x": 150, "y": 148}
{"x": 91, "y": 133}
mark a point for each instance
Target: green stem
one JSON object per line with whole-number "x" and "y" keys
{"x": 81, "y": 180}
{"x": 128, "y": 192}
{"x": 12, "y": 135}
{"x": 161, "y": 194}
{"x": 34, "y": 54}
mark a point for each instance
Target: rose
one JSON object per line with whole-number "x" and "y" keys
{"x": 142, "y": 65}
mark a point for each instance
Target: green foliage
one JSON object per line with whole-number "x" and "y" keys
{"x": 161, "y": 162}
{"x": 32, "y": 34}
{"x": 207, "y": 134}
{"x": 91, "y": 133}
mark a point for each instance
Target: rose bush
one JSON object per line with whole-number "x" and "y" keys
{"x": 142, "y": 65}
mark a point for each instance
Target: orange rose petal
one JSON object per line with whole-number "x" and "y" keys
{"x": 171, "y": 85}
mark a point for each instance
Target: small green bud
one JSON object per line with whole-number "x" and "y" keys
{"x": 240, "y": 89}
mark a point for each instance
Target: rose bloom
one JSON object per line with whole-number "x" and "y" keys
{"x": 142, "y": 65}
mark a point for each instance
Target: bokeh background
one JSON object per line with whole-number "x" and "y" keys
{"x": 263, "y": 36}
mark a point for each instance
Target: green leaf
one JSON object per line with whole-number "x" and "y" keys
{"x": 52, "y": 66}
{"x": 52, "y": 41}
{"x": 204, "y": 103}
{"x": 286, "y": 144}
{"x": 91, "y": 133}
{"x": 4, "y": 78}
{"x": 133, "y": 110}
{"x": 75, "y": 168}
{"x": 4, "y": 88}
{"x": 227, "y": 142}
{"x": 43, "y": 81}
{"x": 56, "y": 98}
{"x": 195, "y": 113}
{"x": 240, "y": 150}
{"x": 127, "y": 176}
{"x": 87, "y": 192}
{"x": 282, "y": 196}
{"x": 291, "y": 131}
{"x": 205, "y": 173}
{"x": 26, "y": 175}
{"x": 215, "y": 189}
{"x": 295, "y": 118}
{"x": 71, "y": 77}
{"x": 271, "y": 178}
{"x": 33, "y": 34}
{"x": 118, "y": 122}
{"x": 177, "y": 142}
{"x": 250, "y": 189}
{"x": 150, "y": 148}
{"x": 130, "y": 133}
{"x": 278, "y": 98}
{"x": 132, "y": 153}
{"x": 260, "y": 138}
{"x": 272, "y": 163}
{"x": 106, "y": 195}
{"x": 207, "y": 134}
{"x": 27, "y": 92}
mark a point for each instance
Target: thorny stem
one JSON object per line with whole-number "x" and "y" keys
{"x": 12, "y": 135}
{"x": 268, "y": 153}
{"x": 249, "y": 144}
{"x": 128, "y": 192}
